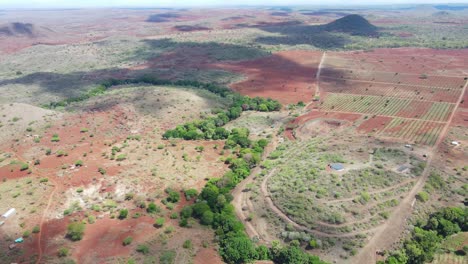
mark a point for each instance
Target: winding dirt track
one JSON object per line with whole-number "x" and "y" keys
{"x": 274, "y": 208}
{"x": 39, "y": 238}
{"x": 392, "y": 229}
{"x": 49, "y": 201}
{"x": 403, "y": 183}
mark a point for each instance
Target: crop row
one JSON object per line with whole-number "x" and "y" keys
{"x": 396, "y": 90}
{"x": 396, "y": 78}
{"x": 438, "y": 112}
{"x": 392, "y": 64}
{"x": 414, "y": 131}
{"x": 364, "y": 104}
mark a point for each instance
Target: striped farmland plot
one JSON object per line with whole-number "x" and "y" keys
{"x": 415, "y": 131}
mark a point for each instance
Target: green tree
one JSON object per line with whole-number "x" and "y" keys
{"x": 239, "y": 250}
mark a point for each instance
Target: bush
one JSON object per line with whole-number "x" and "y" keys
{"x": 123, "y": 214}
{"x": 153, "y": 208}
{"x": 167, "y": 257}
{"x": 48, "y": 152}
{"x": 55, "y": 138}
{"x": 79, "y": 163}
{"x": 186, "y": 212}
{"x": 36, "y": 229}
{"x": 190, "y": 193}
{"x": 102, "y": 171}
{"x": 26, "y": 234}
{"x": 24, "y": 166}
{"x": 174, "y": 215}
{"x": 127, "y": 241}
{"x": 173, "y": 196}
{"x": 144, "y": 249}
{"x": 187, "y": 244}
{"x": 422, "y": 196}
{"x": 121, "y": 157}
{"x": 63, "y": 252}
{"x": 159, "y": 222}
{"x": 75, "y": 231}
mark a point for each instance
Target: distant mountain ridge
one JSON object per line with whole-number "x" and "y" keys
{"x": 354, "y": 25}
{"x": 18, "y": 29}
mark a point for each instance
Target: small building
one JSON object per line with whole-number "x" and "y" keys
{"x": 12, "y": 246}
{"x": 455, "y": 143}
{"x": 9, "y": 213}
{"x": 19, "y": 240}
{"x": 336, "y": 166}
{"x": 408, "y": 146}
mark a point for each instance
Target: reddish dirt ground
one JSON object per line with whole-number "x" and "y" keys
{"x": 461, "y": 117}
{"x": 416, "y": 109}
{"x": 374, "y": 124}
{"x": 207, "y": 255}
{"x": 104, "y": 238}
{"x": 409, "y": 60}
{"x": 288, "y": 76}
{"x": 317, "y": 114}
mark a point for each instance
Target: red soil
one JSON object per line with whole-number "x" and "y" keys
{"x": 374, "y": 124}
{"x": 207, "y": 255}
{"x": 461, "y": 117}
{"x": 104, "y": 238}
{"x": 409, "y": 61}
{"x": 314, "y": 115}
{"x": 464, "y": 102}
{"x": 416, "y": 109}
{"x": 12, "y": 172}
{"x": 287, "y": 76}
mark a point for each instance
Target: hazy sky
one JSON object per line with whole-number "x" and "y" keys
{"x": 105, "y": 3}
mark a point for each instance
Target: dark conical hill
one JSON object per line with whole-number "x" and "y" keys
{"x": 354, "y": 25}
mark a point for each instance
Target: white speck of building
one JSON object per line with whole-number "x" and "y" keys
{"x": 455, "y": 143}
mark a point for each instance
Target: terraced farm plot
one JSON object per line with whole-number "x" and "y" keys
{"x": 440, "y": 62}
{"x": 364, "y": 104}
{"x": 388, "y": 106}
{"x": 412, "y": 92}
{"x": 417, "y": 131}
{"x": 396, "y": 78}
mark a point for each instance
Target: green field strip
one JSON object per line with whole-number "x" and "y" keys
{"x": 438, "y": 111}
{"x": 421, "y": 136}
{"x": 413, "y": 130}
{"x": 436, "y": 134}
{"x": 409, "y": 129}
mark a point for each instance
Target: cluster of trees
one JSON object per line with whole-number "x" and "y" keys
{"x": 427, "y": 236}
{"x": 245, "y": 103}
{"x": 211, "y": 127}
{"x": 213, "y": 208}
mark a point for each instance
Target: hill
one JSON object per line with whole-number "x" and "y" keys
{"x": 19, "y": 29}
{"x": 354, "y": 25}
